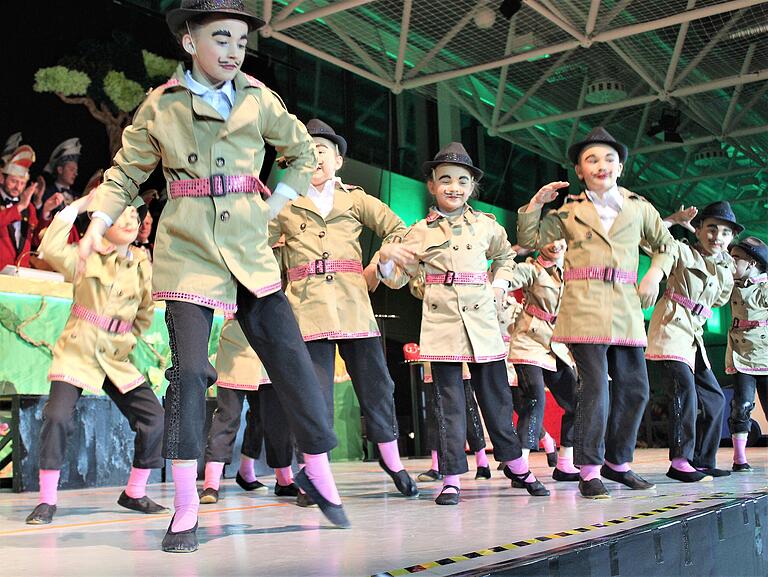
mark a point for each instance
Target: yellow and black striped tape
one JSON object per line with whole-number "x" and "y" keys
{"x": 544, "y": 538}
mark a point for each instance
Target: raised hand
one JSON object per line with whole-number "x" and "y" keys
{"x": 683, "y": 217}
{"x": 548, "y": 193}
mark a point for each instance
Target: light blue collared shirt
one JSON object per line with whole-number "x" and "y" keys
{"x": 222, "y": 99}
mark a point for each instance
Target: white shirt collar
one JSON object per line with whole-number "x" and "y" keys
{"x": 612, "y": 197}
{"x": 328, "y": 187}
{"x": 227, "y": 89}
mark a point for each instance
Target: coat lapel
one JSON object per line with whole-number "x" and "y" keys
{"x": 587, "y": 213}
{"x": 306, "y": 203}
{"x": 341, "y": 202}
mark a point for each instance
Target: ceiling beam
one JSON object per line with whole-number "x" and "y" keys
{"x": 285, "y": 12}
{"x": 699, "y": 178}
{"x": 737, "y": 91}
{"x": 501, "y": 88}
{"x": 267, "y": 10}
{"x": 405, "y": 24}
{"x": 691, "y": 142}
{"x": 757, "y": 97}
{"x": 641, "y": 72}
{"x": 618, "y": 9}
{"x": 375, "y": 67}
{"x": 681, "y": 34}
{"x": 331, "y": 8}
{"x": 594, "y": 8}
{"x": 575, "y": 123}
{"x": 556, "y": 20}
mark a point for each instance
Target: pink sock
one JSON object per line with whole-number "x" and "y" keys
{"x": 185, "y": 500}
{"x": 589, "y": 472}
{"x": 565, "y": 460}
{"x": 49, "y": 484}
{"x": 390, "y": 454}
{"x": 137, "y": 483}
{"x": 247, "y": 471}
{"x": 284, "y": 476}
{"x": 481, "y": 459}
{"x": 682, "y": 464}
{"x": 301, "y": 466}
{"x": 739, "y": 449}
{"x": 213, "y": 470}
{"x": 454, "y": 480}
{"x": 621, "y": 468}
{"x": 318, "y": 469}
{"x": 435, "y": 464}
{"x": 519, "y": 467}
{"x": 549, "y": 443}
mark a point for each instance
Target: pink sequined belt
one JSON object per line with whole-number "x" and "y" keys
{"x": 322, "y": 266}
{"x": 745, "y": 324}
{"x": 218, "y": 185}
{"x": 696, "y": 308}
{"x": 111, "y": 325}
{"x": 450, "y": 277}
{"x": 612, "y": 275}
{"x": 540, "y": 314}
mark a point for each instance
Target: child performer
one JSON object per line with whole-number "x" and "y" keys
{"x": 539, "y": 362}
{"x": 600, "y": 315}
{"x": 329, "y": 295}
{"x": 459, "y": 316}
{"x": 241, "y": 376}
{"x": 112, "y": 306}
{"x": 208, "y": 125}
{"x": 700, "y": 279}
{"x": 747, "y": 352}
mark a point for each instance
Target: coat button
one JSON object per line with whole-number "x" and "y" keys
{"x": 303, "y": 225}
{"x": 464, "y": 309}
{"x": 192, "y": 158}
{"x": 219, "y": 162}
{"x": 469, "y": 247}
{"x": 434, "y": 306}
{"x": 119, "y": 293}
{"x": 476, "y": 307}
{"x": 455, "y": 247}
{"x": 73, "y": 336}
{"x": 321, "y": 234}
{"x": 224, "y": 216}
{"x": 589, "y": 234}
{"x": 325, "y": 255}
{"x": 101, "y": 350}
{"x": 329, "y": 277}
{"x": 116, "y": 351}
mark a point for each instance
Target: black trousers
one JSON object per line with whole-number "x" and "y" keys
{"x": 696, "y": 412}
{"x": 265, "y": 423}
{"x": 368, "y": 371}
{"x": 743, "y": 401}
{"x": 491, "y": 386}
{"x": 272, "y": 331}
{"x": 475, "y": 433}
{"x": 140, "y": 406}
{"x": 532, "y": 381}
{"x": 607, "y": 415}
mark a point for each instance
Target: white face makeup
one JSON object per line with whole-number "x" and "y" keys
{"x": 218, "y": 49}
{"x": 714, "y": 235}
{"x": 599, "y": 167}
{"x": 328, "y": 161}
{"x": 452, "y": 185}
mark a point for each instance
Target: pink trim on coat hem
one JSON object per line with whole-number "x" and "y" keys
{"x": 463, "y": 358}
{"x": 82, "y": 385}
{"x": 268, "y": 289}
{"x": 341, "y": 335}
{"x": 194, "y": 299}
{"x": 242, "y": 386}
{"x": 552, "y": 368}
{"x": 670, "y": 358}
{"x": 746, "y": 370}
{"x": 602, "y": 341}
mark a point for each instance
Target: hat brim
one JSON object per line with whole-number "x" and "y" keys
{"x": 697, "y": 220}
{"x": 750, "y": 250}
{"x": 575, "y": 149}
{"x": 339, "y": 141}
{"x": 176, "y": 18}
{"x": 430, "y": 165}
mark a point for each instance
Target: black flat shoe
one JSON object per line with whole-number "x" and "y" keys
{"x": 552, "y": 458}
{"x": 500, "y": 466}
{"x": 483, "y": 473}
{"x": 42, "y": 514}
{"x": 627, "y": 478}
{"x": 715, "y": 472}
{"x": 286, "y": 490}
{"x": 257, "y": 485}
{"x": 593, "y": 489}
{"x": 742, "y": 468}
{"x": 333, "y": 512}
{"x": 142, "y": 505}
{"x": 448, "y": 498}
{"x": 402, "y": 480}
{"x": 209, "y": 496}
{"x": 534, "y": 488}
{"x": 686, "y": 476}
{"x": 181, "y": 542}
{"x": 559, "y": 475}
{"x": 428, "y": 476}
{"x": 304, "y": 500}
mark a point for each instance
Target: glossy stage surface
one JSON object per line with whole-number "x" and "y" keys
{"x": 249, "y": 534}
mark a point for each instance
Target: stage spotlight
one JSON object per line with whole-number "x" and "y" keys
{"x": 509, "y": 8}
{"x": 668, "y": 124}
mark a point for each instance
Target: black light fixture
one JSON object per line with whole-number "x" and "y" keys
{"x": 668, "y": 124}
{"x": 509, "y": 8}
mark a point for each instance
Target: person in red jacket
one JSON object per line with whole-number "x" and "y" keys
{"x": 18, "y": 218}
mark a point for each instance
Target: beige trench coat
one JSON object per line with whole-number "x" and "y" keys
{"x": 112, "y": 286}
{"x": 675, "y": 332}
{"x": 595, "y": 311}
{"x": 333, "y": 305}
{"x": 531, "y": 342}
{"x": 237, "y": 364}
{"x": 204, "y": 245}
{"x": 747, "y": 350}
{"x": 459, "y": 321}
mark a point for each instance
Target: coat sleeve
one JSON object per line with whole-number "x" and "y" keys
{"x": 658, "y": 238}
{"x": 726, "y": 284}
{"x": 533, "y": 231}
{"x": 56, "y": 249}
{"x": 146, "y": 310}
{"x": 418, "y": 284}
{"x": 133, "y": 164}
{"x": 501, "y": 253}
{"x": 400, "y": 276}
{"x": 523, "y": 276}
{"x": 289, "y": 136}
{"x": 378, "y": 216}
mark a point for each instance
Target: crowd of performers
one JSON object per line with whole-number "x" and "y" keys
{"x": 286, "y": 268}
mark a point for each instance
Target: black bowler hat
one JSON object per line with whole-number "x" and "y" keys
{"x": 191, "y": 8}
{"x": 454, "y": 153}
{"x": 598, "y": 135}
{"x": 755, "y": 248}
{"x": 721, "y": 210}
{"x": 317, "y": 127}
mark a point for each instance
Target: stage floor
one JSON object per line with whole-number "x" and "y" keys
{"x": 246, "y": 534}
